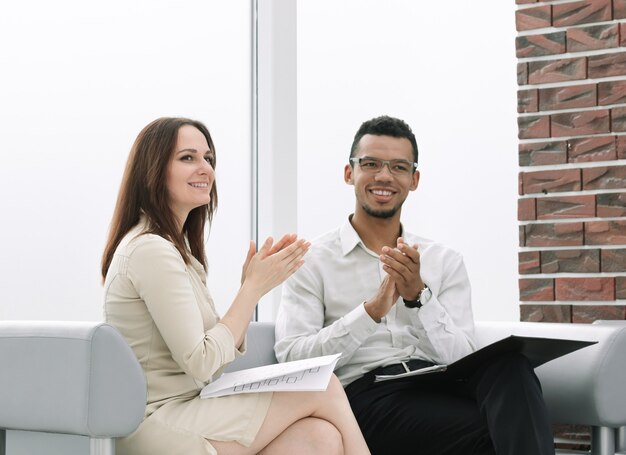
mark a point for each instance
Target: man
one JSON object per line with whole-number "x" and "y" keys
{"x": 390, "y": 302}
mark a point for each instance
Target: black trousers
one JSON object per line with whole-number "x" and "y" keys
{"x": 498, "y": 409}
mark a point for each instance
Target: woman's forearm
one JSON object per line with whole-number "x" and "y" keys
{"x": 238, "y": 316}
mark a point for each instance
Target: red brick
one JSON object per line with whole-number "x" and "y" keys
{"x": 612, "y": 92}
{"x": 591, "y": 38}
{"x": 580, "y": 123}
{"x": 611, "y": 205}
{"x": 522, "y": 73}
{"x": 521, "y": 2}
{"x": 540, "y": 44}
{"x": 527, "y": 100}
{"x": 546, "y": 313}
{"x": 529, "y": 262}
{"x": 620, "y": 287}
{"x": 533, "y": 126}
{"x": 522, "y": 235}
{"x": 572, "y": 437}
{"x": 570, "y": 261}
{"x": 531, "y": 18}
{"x": 622, "y": 33}
{"x": 551, "y": 181}
{"x": 584, "y": 289}
{"x": 536, "y": 289}
{"x": 619, "y": 9}
{"x": 606, "y": 65}
{"x": 605, "y": 232}
{"x": 551, "y": 208}
{"x": 554, "y": 234}
{"x": 596, "y": 148}
{"x": 604, "y": 177}
{"x": 526, "y": 209}
{"x": 586, "y": 314}
{"x": 618, "y": 119}
{"x": 542, "y": 153}
{"x": 582, "y": 12}
{"x": 571, "y": 97}
{"x": 620, "y": 144}
{"x": 564, "y": 69}
{"x": 614, "y": 260}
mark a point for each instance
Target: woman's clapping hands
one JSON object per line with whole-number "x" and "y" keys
{"x": 273, "y": 263}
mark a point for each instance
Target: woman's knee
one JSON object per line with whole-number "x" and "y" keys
{"x": 323, "y": 437}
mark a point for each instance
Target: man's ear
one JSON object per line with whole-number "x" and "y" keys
{"x": 415, "y": 180}
{"x": 347, "y": 174}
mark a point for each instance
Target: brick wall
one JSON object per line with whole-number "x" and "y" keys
{"x": 571, "y": 73}
{"x": 572, "y": 149}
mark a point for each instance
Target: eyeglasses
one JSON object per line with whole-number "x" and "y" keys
{"x": 375, "y": 165}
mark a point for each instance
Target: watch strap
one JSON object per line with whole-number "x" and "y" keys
{"x": 415, "y": 303}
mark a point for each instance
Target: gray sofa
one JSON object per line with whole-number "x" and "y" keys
{"x": 71, "y": 387}
{"x": 586, "y": 387}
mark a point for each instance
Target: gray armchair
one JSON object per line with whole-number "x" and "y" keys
{"x": 68, "y": 378}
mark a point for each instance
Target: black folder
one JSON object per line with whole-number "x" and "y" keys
{"x": 537, "y": 350}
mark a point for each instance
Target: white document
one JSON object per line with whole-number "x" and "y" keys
{"x": 297, "y": 376}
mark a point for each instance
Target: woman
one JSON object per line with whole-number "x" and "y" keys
{"x": 154, "y": 269}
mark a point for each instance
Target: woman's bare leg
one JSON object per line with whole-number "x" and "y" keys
{"x": 287, "y": 408}
{"x": 308, "y": 436}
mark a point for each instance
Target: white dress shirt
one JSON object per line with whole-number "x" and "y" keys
{"x": 322, "y": 312}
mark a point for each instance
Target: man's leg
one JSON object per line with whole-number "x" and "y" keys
{"x": 509, "y": 395}
{"x": 403, "y": 418}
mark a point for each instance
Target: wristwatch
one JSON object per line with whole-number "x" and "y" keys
{"x": 422, "y": 298}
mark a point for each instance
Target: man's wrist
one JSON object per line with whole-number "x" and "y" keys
{"x": 367, "y": 306}
{"x": 422, "y": 298}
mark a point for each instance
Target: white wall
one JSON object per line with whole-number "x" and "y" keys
{"x": 78, "y": 82}
{"x": 449, "y": 70}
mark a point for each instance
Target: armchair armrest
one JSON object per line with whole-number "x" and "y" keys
{"x": 585, "y": 387}
{"x": 69, "y": 377}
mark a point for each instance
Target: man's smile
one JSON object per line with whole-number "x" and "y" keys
{"x": 382, "y": 195}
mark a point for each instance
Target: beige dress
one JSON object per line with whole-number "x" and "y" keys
{"x": 163, "y": 308}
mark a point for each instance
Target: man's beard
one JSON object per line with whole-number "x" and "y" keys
{"x": 380, "y": 213}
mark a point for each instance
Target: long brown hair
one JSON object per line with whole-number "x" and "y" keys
{"x": 144, "y": 190}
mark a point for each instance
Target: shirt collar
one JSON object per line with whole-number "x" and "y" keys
{"x": 350, "y": 238}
